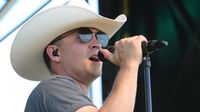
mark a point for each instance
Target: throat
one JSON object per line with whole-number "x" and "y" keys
{"x": 82, "y": 86}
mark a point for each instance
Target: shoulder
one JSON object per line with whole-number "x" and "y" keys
{"x": 60, "y": 93}
{"x": 57, "y": 86}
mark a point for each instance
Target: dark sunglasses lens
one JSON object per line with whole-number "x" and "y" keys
{"x": 102, "y": 38}
{"x": 85, "y": 35}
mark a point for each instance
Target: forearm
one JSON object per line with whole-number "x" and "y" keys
{"x": 122, "y": 96}
{"x": 128, "y": 55}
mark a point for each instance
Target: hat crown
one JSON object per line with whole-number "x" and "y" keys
{"x": 79, "y": 3}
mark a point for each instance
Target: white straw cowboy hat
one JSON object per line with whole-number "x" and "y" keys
{"x": 31, "y": 40}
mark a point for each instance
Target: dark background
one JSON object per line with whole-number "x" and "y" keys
{"x": 175, "y": 69}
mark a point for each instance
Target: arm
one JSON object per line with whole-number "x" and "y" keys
{"x": 122, "y": 96}
{"x": 128, "y": 55}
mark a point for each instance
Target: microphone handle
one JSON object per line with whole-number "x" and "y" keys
{"x": 147, "y": 47}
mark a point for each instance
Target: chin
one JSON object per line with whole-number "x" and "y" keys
{"x": 97, "y": 74}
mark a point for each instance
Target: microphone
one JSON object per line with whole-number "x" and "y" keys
{"x": 147, "y": 47}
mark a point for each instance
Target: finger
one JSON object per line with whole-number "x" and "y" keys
{"x": 109, "y": 56}
{"x": 106, "y": 53}
{"x": 142, "y": 38}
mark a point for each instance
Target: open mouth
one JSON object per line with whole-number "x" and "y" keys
{"x": 94, "y": 58}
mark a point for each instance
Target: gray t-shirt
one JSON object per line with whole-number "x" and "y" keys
{"x": 57, "y": 94}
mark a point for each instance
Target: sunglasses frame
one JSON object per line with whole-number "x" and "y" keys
{"x": 99, "y": 36}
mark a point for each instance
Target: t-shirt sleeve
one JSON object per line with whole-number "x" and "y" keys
{"x": 60, "y": 95}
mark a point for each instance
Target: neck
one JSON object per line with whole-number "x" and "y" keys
{"x": 83, "y": 86}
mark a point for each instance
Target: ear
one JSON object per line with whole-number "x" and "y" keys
{"x": 51, "y": 53}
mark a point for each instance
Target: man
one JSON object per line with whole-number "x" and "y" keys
{"x": 69, "y": 38}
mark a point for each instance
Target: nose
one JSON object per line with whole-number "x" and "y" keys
{"x": 94, "y": 43}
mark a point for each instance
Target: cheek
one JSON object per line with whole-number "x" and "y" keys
{"x": 73, "y": 54}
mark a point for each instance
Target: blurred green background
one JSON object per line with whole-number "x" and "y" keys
{"x": 175, "y": 69}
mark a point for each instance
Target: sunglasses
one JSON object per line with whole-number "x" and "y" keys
{"x": 85, "y": 35}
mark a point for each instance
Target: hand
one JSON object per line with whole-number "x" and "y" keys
{"x": 127, "y": 51}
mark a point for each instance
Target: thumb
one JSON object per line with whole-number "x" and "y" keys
{"x": 109, "y": 56}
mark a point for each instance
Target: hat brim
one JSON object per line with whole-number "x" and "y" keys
{"x": 31, "y": 40}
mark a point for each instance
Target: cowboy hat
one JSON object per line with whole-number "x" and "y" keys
{"x": 31, "y": 40}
